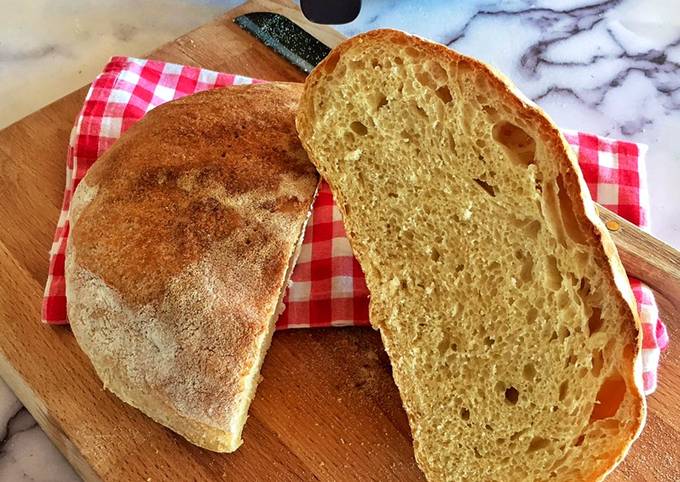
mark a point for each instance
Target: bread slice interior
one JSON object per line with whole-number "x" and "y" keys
{"x": 500, "y": 298}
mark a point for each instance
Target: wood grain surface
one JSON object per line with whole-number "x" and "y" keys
{"x": 327, "y": 408}
{"x": 644, "y": 256}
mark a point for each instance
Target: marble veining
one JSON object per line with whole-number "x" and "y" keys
{"x": 610, "y": 67}
{"x": 26, "y": 454}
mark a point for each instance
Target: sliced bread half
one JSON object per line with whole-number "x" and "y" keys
{"x": 182, "y": 237}
{"x": 499, "y": 295}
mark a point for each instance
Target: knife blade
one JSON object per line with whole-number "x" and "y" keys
{"x": 644, "y": 256}
{"x": 284, "y": 37}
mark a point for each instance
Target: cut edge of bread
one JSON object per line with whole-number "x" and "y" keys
{"x": 585, "y": 210}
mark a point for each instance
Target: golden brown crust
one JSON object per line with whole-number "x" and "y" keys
{"x": 181, "y": 239}
{"x": 585, "y": 211}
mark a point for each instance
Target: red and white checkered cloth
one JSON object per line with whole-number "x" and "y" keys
{"x": 327, "y": 287}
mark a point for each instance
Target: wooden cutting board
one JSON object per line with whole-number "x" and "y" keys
{"x": 327, "y": 408}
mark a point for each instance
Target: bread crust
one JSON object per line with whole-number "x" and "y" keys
{"x": 182, "y": 236}
{"x": 586, "y": 213}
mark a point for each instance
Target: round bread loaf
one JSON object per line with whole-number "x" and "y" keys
{"x": 182, "y": 237}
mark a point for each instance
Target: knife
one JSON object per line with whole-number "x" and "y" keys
{"x": 284, "y": 37}
{"x": 644, "y": 256}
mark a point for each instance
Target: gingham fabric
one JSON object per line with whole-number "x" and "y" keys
{"x": 327, "y": 286}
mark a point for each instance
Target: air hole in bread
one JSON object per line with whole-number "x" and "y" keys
{"x": 564, "y": 333}
{"x": 408, "y": 136}
{"x": 488, "y": 341}
{"x": 532, "y": 229}
{"x": 359, "y": 128}
{"x": 629, "y": 351}
{"x": 378, "y": 100}
{"x": 434, "y": 255}
{"x": 532, "y": 314}
{"x": 459, "y": 268}
{"x": 399, "y": 61}
{"x": 553, "y": 277}
{"x": 349, "y": 137}
{"x": 538, "y": 187}
{"x": 579, "y": 441}
{"x": 413, "y": 52}
{"x": 551, "y": 212}
{"x": 331, "y": 62}
{"x": 529, "y": 371}
{"x": 347, "y": 209}
{"x": 444, "y": 345}
{"x": 467, "y": 118}
{"x": 564, "y": 387}
{"x": 477, "y": 454}
{"x": 486, "y": 186}
{"x": 355, "y": 64}
{"x": 582, "y": 258}
{"x": 609, "y": 398}
{"x": 490, "y": 111}
{"x": 465, "y": 413}
{"x": 584, "y": 290}
{"x": 426, "y": 80}
{"x": 526, "y": 274}
{"x": 520, "y": 147}
{"x": 452, "y": 142}
{"x": 569, "y": 221}
{"x": 570, "y": 360}
{"x": 511, "y": 395}
{"x": 438, "y": 72}
{"x": 418, "y": 110}
{"x": 595, "y": 321}
{"x": 609, "y": 349}
{"x": 597, "y": 362}
{"x": 574, "y": 281}
{"x": 538, "y": 443}
{"x": 609, "y": 426}
{"x": 562, "y": 300}
{"x": 444, "y": 94}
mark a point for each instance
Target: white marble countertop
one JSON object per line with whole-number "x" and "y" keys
{"x": 607, "y": 67}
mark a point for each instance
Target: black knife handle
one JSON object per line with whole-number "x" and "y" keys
{"x": 330, "y": 11}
